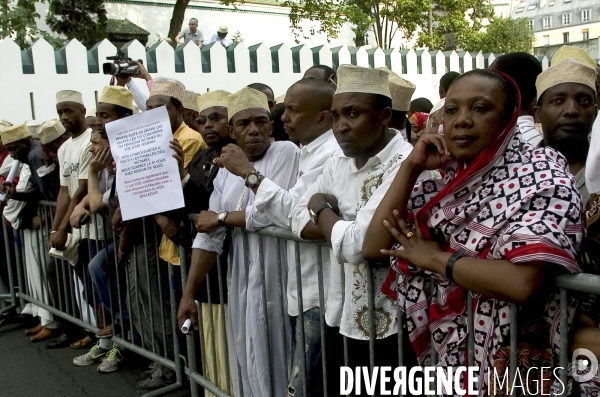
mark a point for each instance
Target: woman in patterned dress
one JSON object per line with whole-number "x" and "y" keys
{"x": 514, "y": 215}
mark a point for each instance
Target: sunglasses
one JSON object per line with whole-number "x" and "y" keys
{"x": 216, "y": 116}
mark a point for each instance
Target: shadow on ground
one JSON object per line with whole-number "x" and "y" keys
{"x": 30, "y": 370}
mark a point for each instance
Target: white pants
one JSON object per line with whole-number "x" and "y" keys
{"x": 35, "y": 264}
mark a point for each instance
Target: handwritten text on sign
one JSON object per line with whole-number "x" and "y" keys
{"x": 147, "y": 174}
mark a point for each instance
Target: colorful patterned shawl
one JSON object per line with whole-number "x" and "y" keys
{"x": 513, "y": 202}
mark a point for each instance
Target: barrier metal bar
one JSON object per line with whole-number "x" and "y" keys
{"x": 191, "y": 346}
{"x": 282, "y": 311}
{"x": 564, "y": 343}
{"x": 261, "y": 260}
{"x": 11, "y": 280}
{"x": 300, "y": 321}
{"x": 322, "y": 319}
{"x": 580, "y": 282}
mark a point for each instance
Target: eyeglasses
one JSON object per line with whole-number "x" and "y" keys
{"x": 216, "y": 116}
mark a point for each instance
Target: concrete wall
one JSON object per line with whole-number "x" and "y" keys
{"x": 269, "y": 24}
{"x": 30, "y": 79}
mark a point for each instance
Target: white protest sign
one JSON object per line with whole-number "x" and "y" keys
{"x": 148, "y": 179}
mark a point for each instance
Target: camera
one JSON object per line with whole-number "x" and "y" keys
{"x": 120, "y": 66}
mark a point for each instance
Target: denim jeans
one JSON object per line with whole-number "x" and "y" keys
{"x": 312, "y": 351}
{"x": 102, "y": 269}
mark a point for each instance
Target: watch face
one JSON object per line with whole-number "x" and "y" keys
{"x": 252, "y": 179}
{"x": 222, "y": 216}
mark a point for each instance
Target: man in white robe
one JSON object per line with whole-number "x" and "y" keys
{"x": 260, "y": 343}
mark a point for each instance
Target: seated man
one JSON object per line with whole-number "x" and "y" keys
{"x": 220, "y": 36}
{"x": 232, "y": 206}
{"x": 339, "y": 205}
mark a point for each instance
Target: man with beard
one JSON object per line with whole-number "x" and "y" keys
{"x": 567, "y": 108}
{"x": 212, "y": 120}
{"x": 253, "y": 349}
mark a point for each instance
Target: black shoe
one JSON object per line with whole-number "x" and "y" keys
{"x": 59, "y": 342}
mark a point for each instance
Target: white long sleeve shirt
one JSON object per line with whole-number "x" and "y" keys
{"x": 527, "y": 128}
{"x": 358, "y": 192}
{"x": 247, "y": 347}
{"x": 277, "y": 204}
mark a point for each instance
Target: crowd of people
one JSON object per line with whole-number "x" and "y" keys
{"x": 491, "y": 192}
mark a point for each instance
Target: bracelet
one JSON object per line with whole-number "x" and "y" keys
{"x": 451, "y": 261}
{"x": 53, "y": 231}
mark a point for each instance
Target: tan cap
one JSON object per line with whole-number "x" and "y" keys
{"x": 362, "y": 80}
{"x": 566, "y": 71}
{"x": 190, "y": 100}
{"x": 117, "y": 95}
{"x": 15, "y": 133}
{"x": 32, "y": 126}
{"x": 50, "y": 130}
{"x": 212, "y": 99}
{"x": 223, "y": 29}
{"x": 4, "y": 124}
{"x": 246, "y": 98}
{"x": 401, "y": 91}
{"x": 168, "y": 87}
{"x": 579, "y": 54}
{"x": 280, "y": 99}
{"x": 69, "y": 96}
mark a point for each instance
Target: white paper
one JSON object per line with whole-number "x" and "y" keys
{"x": 11, "y": 176}
{"x": 148, "y": 179}
{"x": 185, "y": 328}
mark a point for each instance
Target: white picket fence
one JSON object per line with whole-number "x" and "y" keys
{"x": 30, "y": 79}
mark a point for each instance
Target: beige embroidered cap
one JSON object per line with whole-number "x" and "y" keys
{"x": 117, "y": 95}
{"x": 14, "y": 133}
{"x": 69, "y": 96}
{"x": 401, "y": 90}
{"x": 50, "y": 130}
{"x": 579, "y": 54}
{"x": 190, "y": 100}
{"x": 4, "y": 124}
{"x": 362, "y": 80}
{"x": 212, "y": 99}
{"x": 566, "y": 71}
{"x": 280, "y": 99}
{"x": 246, "y": 98}
{"x": 168, "y": 87}
{"x": 223, "y": 29}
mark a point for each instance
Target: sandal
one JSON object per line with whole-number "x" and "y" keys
{"x": 82, "y": 343}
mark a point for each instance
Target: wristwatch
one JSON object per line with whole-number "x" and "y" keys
{"x": 221, "y": 218}
{"x": 252, "y": 179}
{"x": 314, "y": 212}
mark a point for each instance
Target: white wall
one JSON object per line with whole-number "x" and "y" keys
{"x": 256, "y": 23}
{"x": 18, "y": 88}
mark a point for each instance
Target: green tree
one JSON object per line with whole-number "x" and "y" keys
{"x": 84, "y": 20}
{"x": 464, "y": 18}
{"x": 504, "y": 35}
{"x": 385, "y": 18}
{"x": 18, "y": 20}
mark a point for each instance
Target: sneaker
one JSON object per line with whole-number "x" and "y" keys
{"x": 156, "y": 381}
{"x": 111, "y": 362}
{"x": 94, "y": 355}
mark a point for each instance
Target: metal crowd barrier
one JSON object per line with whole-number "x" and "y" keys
{"x": 76, "y": 301}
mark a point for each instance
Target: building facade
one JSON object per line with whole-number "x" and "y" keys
{"x": 558, "y": 22}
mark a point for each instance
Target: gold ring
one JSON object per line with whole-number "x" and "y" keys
{"x": 409, "y": 235}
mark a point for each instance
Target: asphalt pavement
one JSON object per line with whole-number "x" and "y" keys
{"x": 30, "y": 370}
